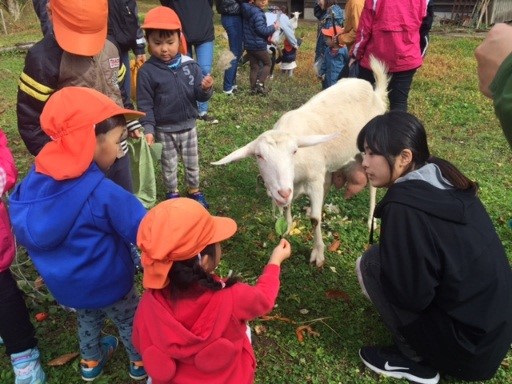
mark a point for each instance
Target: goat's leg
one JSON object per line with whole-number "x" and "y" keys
{"x": 373, "y": 196}
{"x": 289, "y": 219}
{"x": 316, "y": 198}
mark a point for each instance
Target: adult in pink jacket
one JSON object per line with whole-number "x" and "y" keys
{"x": 390, "y": 31}
{"x": 191, "y": 326}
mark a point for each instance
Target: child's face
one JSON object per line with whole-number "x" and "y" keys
{"x": 261, "y": 3}
{"x": 329, "y": 41}
{"x": 164, "y": 47}
{"x": 321, "y": 3}
{"x": 108, "y": 147}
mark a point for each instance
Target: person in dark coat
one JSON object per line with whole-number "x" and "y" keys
{"x": 439, "y": 277}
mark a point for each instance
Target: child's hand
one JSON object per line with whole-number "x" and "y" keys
{"x": 281, "y": 252}
{"x": 150, "y": 138}
{"x": 207, "y": 82}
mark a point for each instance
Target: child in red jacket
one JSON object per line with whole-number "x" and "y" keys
{"x": 15, "y": 327}
{"x": 191, "y": 325}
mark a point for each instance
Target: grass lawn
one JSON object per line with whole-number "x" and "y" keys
{"x": 462, "y": 128}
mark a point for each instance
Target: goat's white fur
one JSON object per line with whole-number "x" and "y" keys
{"x": 309, "y": 143}
{"x": 294, "y": 21}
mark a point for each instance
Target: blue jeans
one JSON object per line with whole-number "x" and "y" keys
{"x": 233, "y": 26}
{"x": 204, "y": 57}
{"x": 398, "y": 87}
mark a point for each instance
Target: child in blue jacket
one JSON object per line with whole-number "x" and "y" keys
{"x": 335, "y": 59}
{"x": 77, "y": 225}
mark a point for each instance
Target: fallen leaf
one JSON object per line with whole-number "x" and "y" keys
{"x": 260, "y": 329}
{"x": 334, "y": 245}
{"x": 304, "y": 311}
{"x": 39, "y": 283}
{"x": 41, "y": 316}
{"x": 305, "y": 329}
{"x": 61, "y": 360}
{"x": 276, "y": 317}
{"x": 336, "y": 294}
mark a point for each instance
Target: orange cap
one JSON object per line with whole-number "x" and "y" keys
{"x": 69, "y": 118}
{"x": 330, "y": 31}
{"x": 165, "y": 18}
{"x": 174, "y": 230}
{"x": 80, "y": 26}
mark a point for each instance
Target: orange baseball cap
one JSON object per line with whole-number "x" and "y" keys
{"x": 175, "y": 230}
{"x": 69, "y": 118}
{"x": 80, "y": 26}
{"x": 330, "y": 31}
{"x": 165, "y": 18}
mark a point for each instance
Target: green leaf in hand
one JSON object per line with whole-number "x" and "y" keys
{"x": 281, "y": 226}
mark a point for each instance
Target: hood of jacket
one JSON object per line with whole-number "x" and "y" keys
{"x": 36, "y": 222}
{"x": 427, "y": 190}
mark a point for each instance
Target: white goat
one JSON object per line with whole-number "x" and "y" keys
{"x": 288, "y": 163}
{"x": 294, "y": 21}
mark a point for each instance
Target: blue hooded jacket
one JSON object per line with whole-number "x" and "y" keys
{"x": 78, "y": 233}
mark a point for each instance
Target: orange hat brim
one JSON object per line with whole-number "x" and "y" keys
{"x": 177, "y": 230}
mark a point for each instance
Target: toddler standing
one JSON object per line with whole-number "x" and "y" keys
{"x": 191, "y": 325}
{"x": 77, "y": 225}
{"x": 335, "y": 59}
{"x": 169, "y": 85}
{"x": 256, "y": 37}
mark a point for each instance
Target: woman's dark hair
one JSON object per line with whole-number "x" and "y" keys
{"x": 162, "y": 33}
{"x": 108, "y": 124}
{"x": 388, "y": 134}
{"x": 189, "y": 273}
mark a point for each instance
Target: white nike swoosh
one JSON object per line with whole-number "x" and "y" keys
{"x": 388, "y": 367}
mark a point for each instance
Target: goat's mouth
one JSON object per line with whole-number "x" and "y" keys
{"x": 282, "y": 202}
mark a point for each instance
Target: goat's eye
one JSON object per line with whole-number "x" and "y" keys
{"x": 259, "y": 157}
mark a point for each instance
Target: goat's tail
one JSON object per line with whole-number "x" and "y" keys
{"x": 380, "y": 72}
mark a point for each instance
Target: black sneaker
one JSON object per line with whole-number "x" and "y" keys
{"x": 388, "y": 361}
{"x": 208, "y": 118}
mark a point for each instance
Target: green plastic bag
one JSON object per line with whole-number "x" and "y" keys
{"x": 143, "y": 171}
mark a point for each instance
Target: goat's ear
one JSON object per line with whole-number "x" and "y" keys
{"x": 310, "y": 140}
{"x": 240, "y": 153}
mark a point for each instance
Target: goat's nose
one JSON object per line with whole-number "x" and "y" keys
{"x": 285, "y": 193}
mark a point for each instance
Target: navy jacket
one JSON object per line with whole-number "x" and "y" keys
{"x": 256, "y": 30}
{"x": 169, "y": 96}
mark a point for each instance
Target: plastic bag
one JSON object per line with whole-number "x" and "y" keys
{"x": 143, "y": 171}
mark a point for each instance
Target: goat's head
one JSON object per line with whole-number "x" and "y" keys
{"x": 275, "y": 153}
{"x": 296, "y": 15}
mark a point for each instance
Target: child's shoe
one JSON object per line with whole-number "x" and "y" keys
{"x": 92, "y": 369}
{"x": 172, "y": 195}
{"x": 27, "y": 367}
{"x": 199, "y": 197}
{"x": 137, "y": 371}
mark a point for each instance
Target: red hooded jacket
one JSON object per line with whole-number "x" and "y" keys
{"x": 202, "y": 339}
